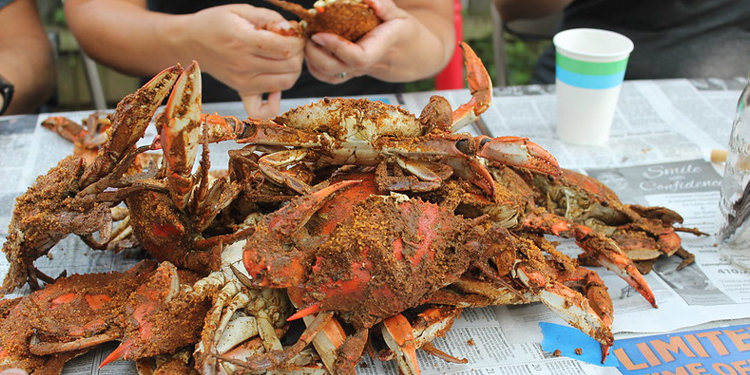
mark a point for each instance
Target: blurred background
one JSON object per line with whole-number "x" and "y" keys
{"x": 83, "y": 84}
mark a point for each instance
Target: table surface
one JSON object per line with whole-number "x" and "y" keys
{"x": 657, "y": 154}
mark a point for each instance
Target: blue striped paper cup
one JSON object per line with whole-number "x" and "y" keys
{"x": 591, "y": 58}
{"x": 590, "y": 67}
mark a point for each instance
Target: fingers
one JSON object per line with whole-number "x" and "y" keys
{"x": 13, "y": 371}
{"x": 334, "y": 60}
{"x": 328, "y": 55}
{"x": 386, "y": 10}
{"x": 273, "y": 46}
{"x": 260, "y": 109}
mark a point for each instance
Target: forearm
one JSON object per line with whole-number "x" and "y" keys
{"x": 26, "y": 62}
{"x": 511, "y": 10}
{"x": 26, "y": 59}
{"x": 126, "y": 36}
{"x": 424, "y": 48}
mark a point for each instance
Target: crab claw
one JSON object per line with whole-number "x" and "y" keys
{"x": 265, "y": 260}
{"x": 129, "y": 122}
{"x": 605, "y": 252}
{"x": 180, "y": 134}
{"x": 519, "y": 152}
{"x": 597, "y": 248}
{"x": 480, "y": 85}
{"x": 397, "y": 334}
{"x": 568, "y": 304}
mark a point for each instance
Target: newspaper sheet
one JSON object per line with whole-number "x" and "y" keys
{"x": 663, "y": 130}
{"x": 712, "y": 351}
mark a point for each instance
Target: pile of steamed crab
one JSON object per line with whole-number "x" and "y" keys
{"x": 339, "y": 229}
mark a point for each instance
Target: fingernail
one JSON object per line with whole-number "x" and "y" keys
{"x": 318, "y": 40}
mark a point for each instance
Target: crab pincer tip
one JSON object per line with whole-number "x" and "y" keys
{"x": 309, "y": 310}
{"x": 118, "y": 353}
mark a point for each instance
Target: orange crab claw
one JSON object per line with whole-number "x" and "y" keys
{"x": 181, "y": 134}
{"x": 616, "y": 261}
{"x": 312, "y": 309}
{"x": 569, "y": 305}
{"x": 119, "y": 352}
{"x": 520, "y": 152}
{"x": 597, "y": 247}
{"x": 480, "y": 85}
{"x": 397, "y": 333}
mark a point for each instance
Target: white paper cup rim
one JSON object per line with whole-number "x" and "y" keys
{"x": 592, "y": 44}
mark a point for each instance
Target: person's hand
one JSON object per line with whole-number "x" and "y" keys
{"x": 232, "y": 44}
{"x": 260, "y": 109}
{"x": 13, "y": 371}
{"x": 333, "y": 59}
{"x": 329, "y": 57}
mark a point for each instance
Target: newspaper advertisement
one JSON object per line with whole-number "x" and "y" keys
{"x": 707, "y": 351}
{"x": 670, "y": 147}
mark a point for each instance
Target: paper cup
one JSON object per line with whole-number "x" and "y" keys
{"x": 590, "y": 66}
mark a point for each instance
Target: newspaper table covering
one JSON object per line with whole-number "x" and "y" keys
{"x": 662, "y": 132}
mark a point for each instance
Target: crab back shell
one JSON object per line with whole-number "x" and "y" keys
{"x": 353, "y": 119}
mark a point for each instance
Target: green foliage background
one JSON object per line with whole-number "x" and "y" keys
{"x": 521, "y": 55}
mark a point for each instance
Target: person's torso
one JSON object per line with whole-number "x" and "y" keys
{"x": 673, "y": 38}
{"x": 306, "y": 85}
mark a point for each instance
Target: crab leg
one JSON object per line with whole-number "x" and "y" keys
{"x": 518, "y": 151}
{"x": 461, "y": 151}
{"x": 596, "y": 246}
{"x": 568, "y": 304}
{"x": 329, "y": 340}
{"x": 594, "y": 289}
{"x": 276, "y": 358}
{"x": 433, "y": 323}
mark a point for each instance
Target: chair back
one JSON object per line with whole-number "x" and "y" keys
{"x": 526, "y": 30}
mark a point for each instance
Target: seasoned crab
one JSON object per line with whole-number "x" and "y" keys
{"x": 513, "y": 207}
{"x": 349, "y": 19}
{"x": 643, "y": 233}
{"x": 143, "y": 307}
{"x": 413, "y": 154}
{"x": 365, "y": 258}
{"x": 169, "y": 207}
{"x": 66, "y": 200}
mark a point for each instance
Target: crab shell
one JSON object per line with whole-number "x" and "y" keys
{"x": 371, "y": 256}
{"x": 348, "y": 19}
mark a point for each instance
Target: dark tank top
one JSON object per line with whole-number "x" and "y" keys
{"x": 672, "y": 38}
{"x": 306, "y": 85}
